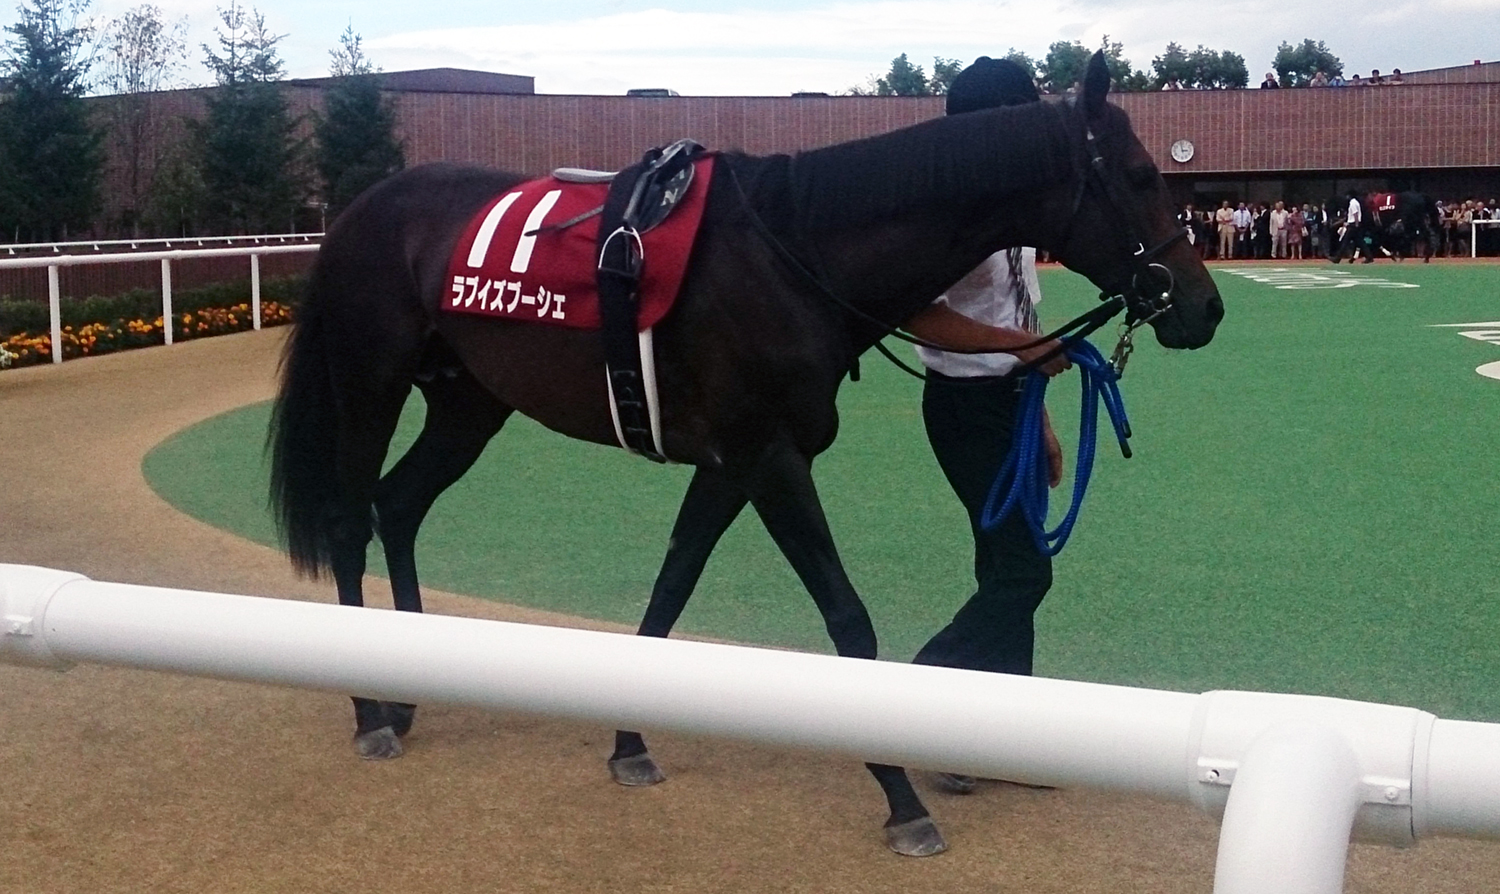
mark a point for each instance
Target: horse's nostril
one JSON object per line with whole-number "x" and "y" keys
{"x": 1215, "y": 310}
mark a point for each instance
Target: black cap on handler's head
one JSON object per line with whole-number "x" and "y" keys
{"x": 989, "y": 84}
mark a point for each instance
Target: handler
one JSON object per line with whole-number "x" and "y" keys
{"x": 969, "y": 408}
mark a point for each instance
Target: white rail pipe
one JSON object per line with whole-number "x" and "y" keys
{"x": 1474, "y": 226}
{"x": 53, "y": 262}
{"x": 1293, "y": 776}
{"x": 97, "y": 244}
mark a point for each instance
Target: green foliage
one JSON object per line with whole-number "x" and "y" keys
{"x": 1202, "y": 69}
{"x": 1064, "y": 65}
{"x": 943, "y": 73}
{"x": 248, "y": 151}
{"x": 142, "y": 51}
{"x": 1022, "y": 60}
{"x": 1124, "y": 78}
{"x": 51, "y": 161}
{"x": 356, "y": 136}
{"x": 1295, "y": 66}
{"x": 1213, "y": 70}
{"x": 175, "y": 205}
{"x": 1173, "y": 65}
{"x": 904, "y": 79}
{"x": 17, "y": 315}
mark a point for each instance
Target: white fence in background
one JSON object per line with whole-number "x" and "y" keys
{"x": 1474, "y": 234}
{"x": 54, "y": 257}
{"x": 1292, "y": 777}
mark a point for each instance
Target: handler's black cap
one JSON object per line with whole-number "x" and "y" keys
{"x": 989, "y": 84}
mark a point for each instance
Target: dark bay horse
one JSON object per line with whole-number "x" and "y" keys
{"x": 1397, "y": 225}
{"x": 750, "y": 359}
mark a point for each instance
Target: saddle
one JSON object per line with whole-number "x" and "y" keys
{"x": 640, "y": 197}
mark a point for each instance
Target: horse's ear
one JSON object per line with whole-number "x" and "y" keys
{"x": 1095, "y": 86}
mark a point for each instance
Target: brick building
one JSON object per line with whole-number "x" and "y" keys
{"x": 1439, "y": 132}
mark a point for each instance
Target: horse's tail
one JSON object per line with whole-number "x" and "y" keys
{"x": 302, "y": 441}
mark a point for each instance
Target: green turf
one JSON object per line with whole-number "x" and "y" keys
{"x": 1310, "y": 509}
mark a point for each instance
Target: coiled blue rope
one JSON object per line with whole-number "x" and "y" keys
{"x": 1024, "y": 478}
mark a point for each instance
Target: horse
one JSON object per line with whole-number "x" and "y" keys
{"x": 800, "y": 265}
{"x": 1413, "y": 227}
{"x": 1395, "y": 225}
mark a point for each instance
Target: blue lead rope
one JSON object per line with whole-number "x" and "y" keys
{"x": 1024, "y": 478}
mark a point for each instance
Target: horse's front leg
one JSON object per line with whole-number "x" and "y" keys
{"x": 711, "y": 505}
{"x": 781, "y": 490}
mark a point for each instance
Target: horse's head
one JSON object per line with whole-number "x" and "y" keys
{"x": 1120, "y": 229}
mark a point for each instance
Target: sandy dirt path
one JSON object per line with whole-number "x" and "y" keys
{"x": 121, "y": 781}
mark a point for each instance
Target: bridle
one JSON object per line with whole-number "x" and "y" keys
{"x": 1141, "y": 301}
{"x": 1149, "y": 292}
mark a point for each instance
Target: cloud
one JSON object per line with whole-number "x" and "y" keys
{"x": 740, "y": 47}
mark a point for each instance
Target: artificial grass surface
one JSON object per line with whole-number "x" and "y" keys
{"x": 1310, "y": 508}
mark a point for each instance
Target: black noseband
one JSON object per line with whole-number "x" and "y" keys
{"x": 1148, "y": 293}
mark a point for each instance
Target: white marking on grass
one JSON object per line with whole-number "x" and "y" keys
{"x": 1299, "y": 279}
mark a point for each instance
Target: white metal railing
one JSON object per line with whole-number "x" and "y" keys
{"x": 53, "y": 262}
{"x": 1474, "y": 226}
{"x": 1292, "y": 777}
{"x": 198, "y": 241}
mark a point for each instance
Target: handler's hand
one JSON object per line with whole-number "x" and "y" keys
{"x": 1053, "y": 365}
{"x": 1054, "y": 452}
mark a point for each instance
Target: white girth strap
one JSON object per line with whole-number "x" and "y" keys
{"x": 653, "y": 403}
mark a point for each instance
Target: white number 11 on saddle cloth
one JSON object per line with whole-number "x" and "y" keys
{"x": 515, "y": 262}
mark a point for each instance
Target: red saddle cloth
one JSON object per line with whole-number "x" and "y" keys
{"x": 1383, "y": 201}
{"x": 514, "y": 262}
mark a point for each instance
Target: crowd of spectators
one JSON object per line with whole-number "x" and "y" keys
{"x": 1320, "y": 79}
{"x": 1257, "y": 230}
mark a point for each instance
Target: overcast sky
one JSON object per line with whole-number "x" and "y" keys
{"x": 775, "y": 47}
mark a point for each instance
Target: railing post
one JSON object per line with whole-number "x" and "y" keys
{"x": 1473, "y": 239}
{"x": 255, "y": 290}
{"x": 54, "y": 307}
{"x": 166, "y": 300}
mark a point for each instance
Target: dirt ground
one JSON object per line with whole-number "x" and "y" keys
{"x": 116, "y": 780}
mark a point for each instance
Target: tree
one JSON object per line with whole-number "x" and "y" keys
{"x": 1063, "y": 66}
{"x": 1022, "y": 60}
{"x": 904, "y": 79}
{"x": 1125, "y": 79}
{"x": 1173, "y": 65}
{"x": 1295, "y": 66}
{"x": 141, "y": 55}
{"x": 1213, "y": 70}
{"x": 356, "y": 142}
{"x": 943, "y": 73}
{"x": 52, "y": 161}
{"x": 248, "y": 152}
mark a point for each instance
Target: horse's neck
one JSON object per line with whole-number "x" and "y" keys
{"x": 899, "y": 262}
{"x": 894, "y": 270}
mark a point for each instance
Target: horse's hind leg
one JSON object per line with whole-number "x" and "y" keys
{"x": 367, "y": 420}
{"x": 782, "y": 491}
{"x": 461, "y": 419}
{"x": 712, "y": 503}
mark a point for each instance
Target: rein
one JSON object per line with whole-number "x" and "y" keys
{"x": 1025, "y": 478}
{"x": 1141, "y": 308}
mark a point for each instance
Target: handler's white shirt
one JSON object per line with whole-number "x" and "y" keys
{"x": 1354, "y": 215}
{"x": 987, "y": 295}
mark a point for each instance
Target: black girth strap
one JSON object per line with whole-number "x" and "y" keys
{"x": 640, "y": 197}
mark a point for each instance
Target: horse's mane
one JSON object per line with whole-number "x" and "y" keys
{"x": 948, "y": 160}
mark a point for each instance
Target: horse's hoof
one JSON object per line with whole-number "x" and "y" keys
{"x": 401, "y": 716}
{"x": 916, "y": 838}
{"x": 955, "y": 783}
{"x": 637, "y": 770}
{"x": 378, "y": 745}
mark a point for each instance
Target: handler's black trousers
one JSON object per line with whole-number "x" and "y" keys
{"x": 970, "y": 428}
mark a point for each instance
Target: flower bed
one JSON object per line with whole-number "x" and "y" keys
{"x": 91, "y": 339}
